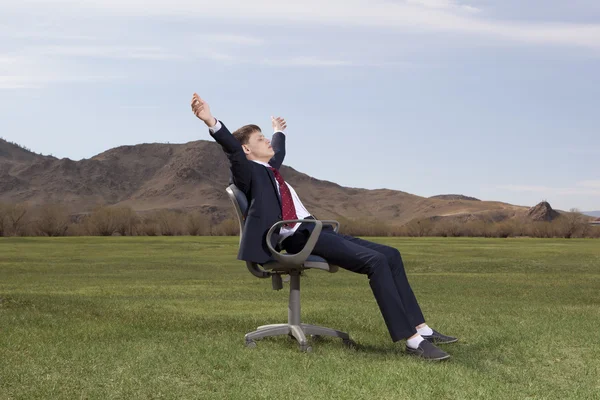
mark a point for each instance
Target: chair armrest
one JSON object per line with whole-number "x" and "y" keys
{"x": 298, "y": 258}
{"x": 335, "y": 224}
{"x": 257, "y": 271}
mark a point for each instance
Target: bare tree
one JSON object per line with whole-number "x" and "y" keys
{"x": 12, "y": 219}
{"x": 198, "y": 224}
{"x": 448, "y": 228}
{"x": 3, "y": 219}
{"x": 16, "y": 218}
{"x": 229, "y": 227}
{"x": 419, "y": 228}
{"x": 571, "y": 224}
{"x": 149, "y": 227}
{"x": 52, "y": 220}
{"x": 127, "y": 221}
{"x": 103, "y": 221}
{"x": 170, "y": 222}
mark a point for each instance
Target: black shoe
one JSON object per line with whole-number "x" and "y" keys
{"x": 428, "y": 352}
{"x": 438, "y": 338}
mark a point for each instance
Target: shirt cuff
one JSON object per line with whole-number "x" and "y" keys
{"x": 216, "y": 128}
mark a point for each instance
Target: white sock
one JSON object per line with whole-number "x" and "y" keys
{"x": 414, "y": 342}
{"x": 425, "y": 330}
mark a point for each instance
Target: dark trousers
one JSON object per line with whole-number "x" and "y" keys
{"x": 384, "y": 268}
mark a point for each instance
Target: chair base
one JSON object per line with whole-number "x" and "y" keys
{"x": 299, "y": 332}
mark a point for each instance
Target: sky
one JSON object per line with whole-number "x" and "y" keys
{"x": 493, "y": 99}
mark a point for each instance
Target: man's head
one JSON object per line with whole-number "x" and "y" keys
{"x": 255, "y": 144}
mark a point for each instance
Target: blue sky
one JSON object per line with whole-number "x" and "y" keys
{"x": 493, "y": 99}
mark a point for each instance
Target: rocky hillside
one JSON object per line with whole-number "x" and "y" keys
{"x": 194, "y": 176}
{"x": 542, "y": 212}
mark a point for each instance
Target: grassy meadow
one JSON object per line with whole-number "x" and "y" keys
{"x": 164, "y": 318}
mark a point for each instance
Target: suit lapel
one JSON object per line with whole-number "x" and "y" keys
{"x": 274, "y": 183}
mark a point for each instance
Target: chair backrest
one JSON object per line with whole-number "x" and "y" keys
{"x": 240, "y": 204}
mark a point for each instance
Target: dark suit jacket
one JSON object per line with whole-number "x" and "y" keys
{"x": 260, "y": 187}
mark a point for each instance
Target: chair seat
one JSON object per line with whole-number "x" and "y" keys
{"x": 312, "y": 262}
{"x": 313, "y": 258}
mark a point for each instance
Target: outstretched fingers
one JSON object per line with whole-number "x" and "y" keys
{"x": 197, "y": 104}
{"x": 278, "y": 123}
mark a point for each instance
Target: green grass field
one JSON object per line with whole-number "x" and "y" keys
{"x": 150, "y": 318}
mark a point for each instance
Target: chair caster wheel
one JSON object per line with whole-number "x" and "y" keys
{"x": 349, "y": 343}
{"x": 305, "y": 348}
{"x": 251, "y": 344}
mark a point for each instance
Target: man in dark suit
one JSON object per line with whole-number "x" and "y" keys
{"x": 254, "y": 163}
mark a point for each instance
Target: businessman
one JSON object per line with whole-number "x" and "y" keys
{"x": 254, "y": 163}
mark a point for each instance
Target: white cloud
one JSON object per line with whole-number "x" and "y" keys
{"x": 41, "y": 81}
{"x": 312, "y": 61}
{"x": 40, "y": 66}
{"x": 217, "y": 56}
{"x": 32, "y": 71}
{"x": 46, "y": 35}
{"x": 103, "y": 51}
{"x": 59, "y": 46}
{"x": 442, "y": 16}
{"x": 305, "y": 62}
{"x": 225, "y": 39}
{"x": 7, "y": 60}
{"x": 444, "y": 4}
{"x": 17, "y": 82}
{"x": 140, "y": 107}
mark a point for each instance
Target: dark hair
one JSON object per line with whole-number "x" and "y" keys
{"x": 243, "y": 134}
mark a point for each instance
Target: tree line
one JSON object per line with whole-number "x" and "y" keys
{"x": 55, "y": 220}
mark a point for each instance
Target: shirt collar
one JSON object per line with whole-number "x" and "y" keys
{"x": 264, "y": 164}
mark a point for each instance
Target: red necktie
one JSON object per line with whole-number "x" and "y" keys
{"x": 287, "y": 204}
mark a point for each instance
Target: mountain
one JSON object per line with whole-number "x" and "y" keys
{"x": 194, "y": 176}
{"x": 592, "y": 213}
{"x": 454, "y": 197}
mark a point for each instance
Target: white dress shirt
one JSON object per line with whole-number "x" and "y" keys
{"x": 301, "y": 211}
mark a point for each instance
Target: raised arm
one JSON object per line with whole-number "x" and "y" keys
{"x": 278, "y": 142}
{"x": 241, "y": 168}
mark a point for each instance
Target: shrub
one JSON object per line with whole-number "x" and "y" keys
{"x": 170, "y": 223}
{"x": 229, "y": 227}
{"x": 14, "y": 219}
{"x": 364, "y": 227}
{"x": 103, "y": 221}
{"x": 570, "y": 225}
{"x": 127, "y": 221}
{"x": 198, "y": 224}
{"x": 418, "y": 228}
{"x": 447, "y": 228}
{"x": 52, "y": 220}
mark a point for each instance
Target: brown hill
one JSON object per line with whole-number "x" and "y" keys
{"x": 13, "y": 152}
{"x": 454, "y": 197}
{"x": 193, "y": 176}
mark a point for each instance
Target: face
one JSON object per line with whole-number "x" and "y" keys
{"x": 258, "y": 147}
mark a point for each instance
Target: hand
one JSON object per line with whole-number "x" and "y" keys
{"x": 202, "y": 110}
{"x": 279, "y": 124}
